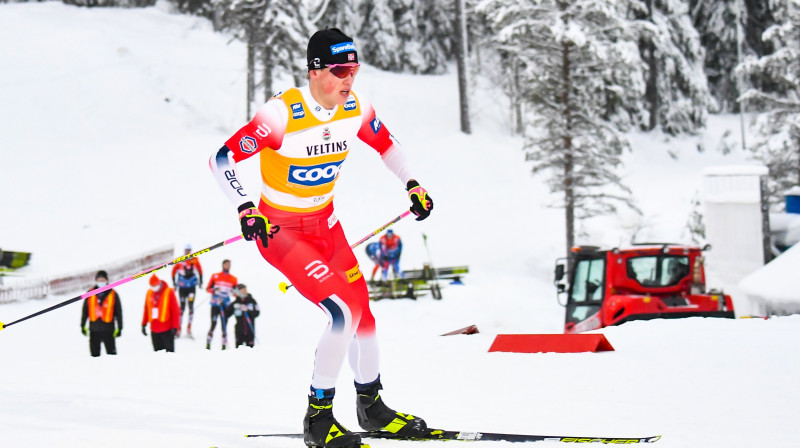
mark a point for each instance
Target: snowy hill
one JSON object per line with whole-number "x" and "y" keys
{"x": 108, "y": 119}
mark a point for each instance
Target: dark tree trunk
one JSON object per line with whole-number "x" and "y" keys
{"x": 251, "y": 72}
{"x": 517, "y": 99}
{"x": 651, "y": 89}
{"x": 569, "y": 184}
{"x": 759, "y": 18}
{"x": 266, "y": 60}
{"x": 461, "y": 62}
{"x": 766, "y": 239}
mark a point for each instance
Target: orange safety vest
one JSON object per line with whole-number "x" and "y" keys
{"x": 105, "y": 311}
{"x": 151, "y": 301}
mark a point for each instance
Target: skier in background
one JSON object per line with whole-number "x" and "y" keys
{"x": 186, "y": 275}
{"x": 374, "y": 253}
{"x": 162, "y": 312}
{"x": 303, "y": 135}
{"x": 391, "y": 248}
{"x": 102, "y": 310}
{"x": 220, "y": 287}
{"x": 246, "y": 310}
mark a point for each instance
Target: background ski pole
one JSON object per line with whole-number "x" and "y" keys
{"x": 285, "y": 286}
{"x": 124, "y": 280}
{"x": 435, "y": 290}
{"x": 252, "y": 328}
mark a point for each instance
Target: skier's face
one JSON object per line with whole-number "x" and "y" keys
{"x": 328, "y": 89}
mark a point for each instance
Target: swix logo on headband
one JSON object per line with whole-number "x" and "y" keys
{"x": 344, "y": 46}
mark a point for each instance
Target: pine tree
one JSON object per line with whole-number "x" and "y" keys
{"x": 340, "y": 14}
{"x": 676, "y": 91}
{"x": 243, "y": 17}
{"x": 716, "y": 22}
{"x": 580, "y": 71}
{"x": 729, "y": 31}
{"x": 284, "y": 34}
{"x": 379, "y": 47}
{"x": 276, "y": 33}
{"x": 409, "y": 42}
{"x": 778, "y": 126}
{"x": 436, "y": 34}
{"x": 413, "y": 36}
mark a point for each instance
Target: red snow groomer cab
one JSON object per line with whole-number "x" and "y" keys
{"x": 641, "y": 282}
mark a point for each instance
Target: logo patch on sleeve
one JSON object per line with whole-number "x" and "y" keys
{"x": 376, "y": 125}
{"x": 247, "y": 144}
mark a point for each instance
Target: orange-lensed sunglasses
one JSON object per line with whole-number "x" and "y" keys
{"x": 342, "y": 70}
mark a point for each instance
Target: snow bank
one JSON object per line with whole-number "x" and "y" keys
{"x": 772, "y": 290}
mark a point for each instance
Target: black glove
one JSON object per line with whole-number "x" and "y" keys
{"x": 421, "y": 201}
{"x": 118, "y": 332}
{"x": 254, "y": 224}
{"x": 173, "y": 331}
{"x": 144, "y": 330}
{"x": 84, "y": 331}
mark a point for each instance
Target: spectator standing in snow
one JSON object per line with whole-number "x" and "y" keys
{"x": 186, "y": 275}
{"x": 303, "y": 135}
{"x": 391, "y": 248}
{"x": 246, "y": 310}
{"x": 220, "y": 287}
{"x": 162, "y": 312}
{"x": 102, "y": 310}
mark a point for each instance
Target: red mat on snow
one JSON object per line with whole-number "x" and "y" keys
{"x": 558, "y": 343}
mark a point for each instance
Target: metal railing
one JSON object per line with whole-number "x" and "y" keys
{"x": 83, "y": 280}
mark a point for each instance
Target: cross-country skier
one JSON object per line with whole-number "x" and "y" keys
{"x": 374, "y": 253}
{"x": 186, "y": 275}
{"x": 102, "y": 310}
{"x": 391, "y": 248}
{"x": 303, "y": 136}
{"x": 220, "y": 287}
{"x": 245, "y": 309}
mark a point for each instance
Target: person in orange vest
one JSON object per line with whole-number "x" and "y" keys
{"x": 186, "y": 275}
{"x": 102, "y": 311}
{"x": 162, "y": 312}
{"x": 221, "y": 288}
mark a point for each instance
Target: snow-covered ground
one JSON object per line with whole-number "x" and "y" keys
{"x": 108, "y": 118}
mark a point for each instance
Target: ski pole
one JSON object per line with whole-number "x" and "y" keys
{"x": 285, "y": 286}
{"x": 252, "y": 328}
{"x": 433, "y": 268}
{"x": 124, "y": 280}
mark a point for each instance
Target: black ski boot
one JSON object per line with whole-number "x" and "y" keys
{"x": 320, "y": 428}
{"x": 374, "y": 415}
